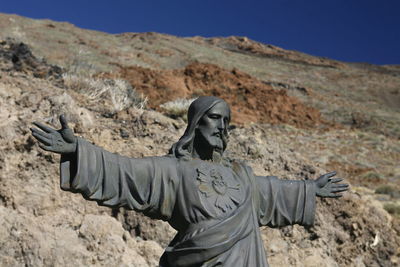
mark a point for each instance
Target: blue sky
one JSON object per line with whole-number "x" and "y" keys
{"x": 347, "y": 30}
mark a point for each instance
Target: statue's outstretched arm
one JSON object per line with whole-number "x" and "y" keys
{"x": 146, "y": 184}
{"x": 287, "y": 202}
{"x": 61, "y": 141}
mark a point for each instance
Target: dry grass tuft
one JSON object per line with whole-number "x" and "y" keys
{"x": 388, "y": 190}
{"x": 393, "y": 208}
{"x": 118, "y": 91}
{"x": 177, "y": 108}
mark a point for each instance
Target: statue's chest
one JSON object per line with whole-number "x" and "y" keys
{"x": 219, "y": 188}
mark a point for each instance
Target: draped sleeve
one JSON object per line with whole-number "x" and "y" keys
{"x": 147, "y": 185}
{"x": 285, "y": 202}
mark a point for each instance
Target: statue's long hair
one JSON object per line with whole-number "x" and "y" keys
{"x": 183, "y": 148}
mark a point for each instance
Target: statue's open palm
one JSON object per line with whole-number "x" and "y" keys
{"x": 330, "y": 187}
{"x": 61, "y": 141}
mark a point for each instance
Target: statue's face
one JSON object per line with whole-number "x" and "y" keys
{"x": 214, "y": 124}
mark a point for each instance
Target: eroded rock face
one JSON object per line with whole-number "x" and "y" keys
{"x": 44, "y": 226}
{"x": 251, "y": 100}
{"x": 19, "y": 57}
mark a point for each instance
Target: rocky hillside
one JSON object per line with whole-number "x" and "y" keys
{"x": 295, "y": 116}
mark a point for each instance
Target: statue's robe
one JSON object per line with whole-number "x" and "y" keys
{"x": 217, "y": 209}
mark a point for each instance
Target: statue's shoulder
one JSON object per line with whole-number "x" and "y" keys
{"x": 233, "y": 161}
{"x": 170, "y": 158}
{"x": 181, "y": 162}
{"x": 237, "y": 165}
{"x": 162, "y": 161}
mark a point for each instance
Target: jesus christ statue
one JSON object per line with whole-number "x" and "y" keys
{"x": 216, "y": 204}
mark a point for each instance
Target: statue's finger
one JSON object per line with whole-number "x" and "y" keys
{"x": 334, "y": 195}
{"x": 337, "y": 190}
{"x": 340, "y": 185}
{"x": 330, "y": 174}
{"x": 39, "y": 132}
{"x": 335, "y": 180}
{"x": 64, "y": 122}
{"x": 42, "y": 139}
{"x": 44, "y": 127}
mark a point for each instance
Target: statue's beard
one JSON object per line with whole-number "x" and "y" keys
{"x": 223, "y": 137}
{"x": 216, "y": 141}
{"x": 218, "y": 151}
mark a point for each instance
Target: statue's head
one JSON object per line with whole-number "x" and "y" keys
{"x": 208, "y": 121}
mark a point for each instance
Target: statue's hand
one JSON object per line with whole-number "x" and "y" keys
{"x": 329, "y": 187}
{"x": 61, "y": 141}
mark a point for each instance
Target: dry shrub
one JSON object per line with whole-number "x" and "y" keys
{"x": 392, "y": 208}
{"x": 177, "y": 108}
{"x": 121, "y": 94}
{"x": 388, "y": 190}
{"x": 112, "y": 94}
{"x": 371, "y": 175}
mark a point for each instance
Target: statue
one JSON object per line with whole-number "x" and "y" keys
{"x": 216, "y": 204}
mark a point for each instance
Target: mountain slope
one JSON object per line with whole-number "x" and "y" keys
{"x": 309, "y": 115}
